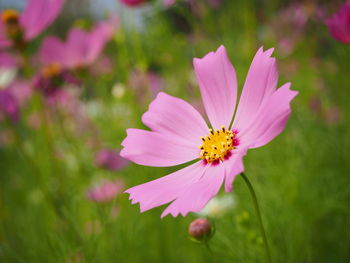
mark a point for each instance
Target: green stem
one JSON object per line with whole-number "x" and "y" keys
{"x": 257, "y": 210}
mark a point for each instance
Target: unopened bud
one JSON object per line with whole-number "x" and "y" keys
{"x": 201, "y": 230}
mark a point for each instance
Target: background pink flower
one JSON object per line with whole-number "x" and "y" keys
{"x": 8, "y": 105}
{"x": 81, "y": 48}
{"x": 110, "y": 160}
{"x": 339, "y": 24}
{"x": 178, "y": 131}
{"x": 7, "y": 60}
{"x": 106, "y": 192}
{"x": 133, "y": 3}
{"x": 37, "y": 15}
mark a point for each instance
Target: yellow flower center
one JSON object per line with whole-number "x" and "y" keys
{"x": 51, "y": 70}
{"x": 218, "y": 144}
{"x": 9, "y": 16}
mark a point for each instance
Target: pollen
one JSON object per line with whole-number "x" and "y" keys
{"x": 51, "y": 70}
{"x": 9, "y": 16}
{"x": 217, "y": 146}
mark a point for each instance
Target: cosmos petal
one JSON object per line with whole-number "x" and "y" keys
{"x": 175, "y": 117}
{"x": 339, "y": 24}
{"x": 165, "y": 189}
{"x": 234, "y": 166}
{"x": 52, "y": 50}
{"x": 218, "y": 86}
{"x": 7, "y": 61}
{"x": 99, "y": 36}
{"x": 198, "y": 194}
{"x": 156, "y": 149}
{"x": 271, "y": 119}
{"x": 38, "y": 15}
{"x": 260, "y": 83}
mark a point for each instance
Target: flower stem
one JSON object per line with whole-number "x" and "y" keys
{"x": 257, "y": 210}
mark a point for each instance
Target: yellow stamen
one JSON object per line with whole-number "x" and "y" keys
{"x": 217, "y": 145}
{"x": 51, "y": 70}
{"x": 9, "y": 16}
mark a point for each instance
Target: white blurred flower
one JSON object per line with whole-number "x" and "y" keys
{"x": 118, "y": 90}
{"x": 7, "y": 75}
{"x": 218, "y": 206}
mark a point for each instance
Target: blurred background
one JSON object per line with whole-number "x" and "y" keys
{"x": 68, "y": 94}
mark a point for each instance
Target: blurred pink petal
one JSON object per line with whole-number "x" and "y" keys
{"x": 7, "y": 60}
{"x": 339, "y": 24}
{"x": 38, "y": 15}
{"x": 133, "y": 3}
{"x": 169, "y": 3}
{"x": 52, "y": 51}
{"x": 106, "y": 192}
{"x": 110, "y": 160}
{"x": 9, "y": 105}
{"x": 21, "y": 90}
{"x": 81, "y": 48}
{"x": 262, "y": 114}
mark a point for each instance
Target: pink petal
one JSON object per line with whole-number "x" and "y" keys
{"x": 165, "y": 189}
{"x": 38, "y": 15}
{"x": 339, "y": 24}
{"x": 98, "y": 38}
{"x": 77, "y": 47}
{"x": 156, "y": 149}
{"x": 198, "y": 194}
{"x": 271, "y": 119}
{"x": 261, "y": 82}
{"x": 218, "y": 85}
{"x": 234, "y": 166}
{"x": 52, "y": 50}
{"x": 175, "y": 117}
{"x": 7, "y": 60}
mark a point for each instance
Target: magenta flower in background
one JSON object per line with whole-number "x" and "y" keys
{"x": 16, "y": 28}
{"x": 212, "y": 3}
{"x": 9, "y": 106}
{"x": 7, "y": 60}
{"x": 51, "y": 80}
{"x": 21, "y": 90}
{"x": 81, "y": 48}
{"x": 106, "y": 192}
{"x": 179, "y": 134}
{"x": 339, "y": 24}
{"x": 133, "y": 3}
{"x": 110, "y": 159}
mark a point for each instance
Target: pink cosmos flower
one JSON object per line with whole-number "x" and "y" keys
{"x": 110, "y": 160}
{"x": 81, "y": 48}
{"x": 16, "y": 28}
{"x": 339, "y": 24}
{"x": 106, "y": 191}
{"x": 179, "y": 134}
{"x": 51, "y": 80}
{"x": 133, "y": 3}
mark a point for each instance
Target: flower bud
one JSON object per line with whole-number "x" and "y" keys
{"x": 201, "y": 230}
